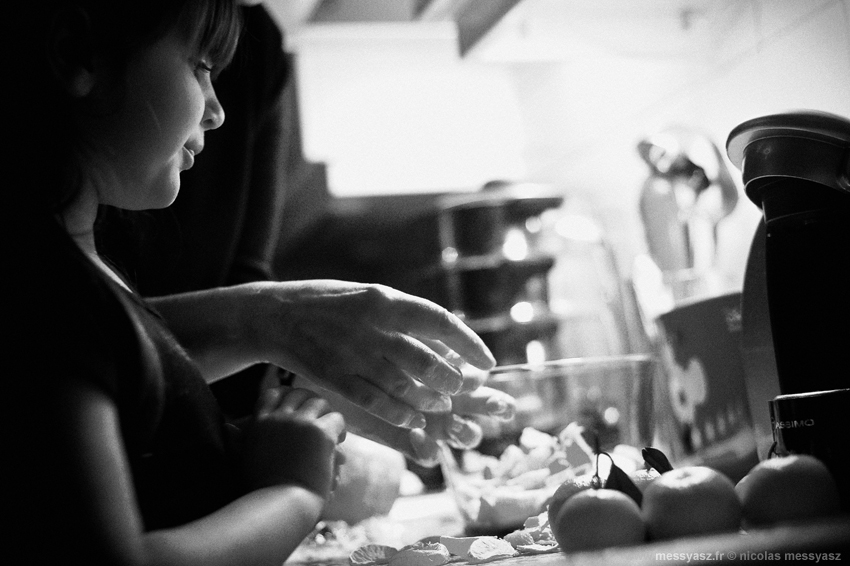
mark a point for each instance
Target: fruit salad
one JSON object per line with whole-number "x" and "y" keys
{"x": 497, "y": 494}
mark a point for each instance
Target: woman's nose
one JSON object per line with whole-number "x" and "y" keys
{"x": 213, "y": 112}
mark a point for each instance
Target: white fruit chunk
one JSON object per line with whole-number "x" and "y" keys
{"x": 486, "y": 549}
{"x": 426, "y": 555}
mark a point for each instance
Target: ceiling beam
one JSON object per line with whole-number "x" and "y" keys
{"x": 363, "y": 11}
{"x": 477, "y": 18}
{"x": 473, "y": 18}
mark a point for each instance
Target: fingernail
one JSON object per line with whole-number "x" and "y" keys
{"x": 451, "y": 381}
{"x": 500, "y": 408}
{"x": 496, "y": 406}
{"x": 426, "y": 448}
{"x": 473, "y": 378}
{"x": 486, "y": 359}
{"x": 453, "y": 357}
{"x": 458, "y": 431}
{"x": 462, "y": 434}
{"x": 439, "y": 404}
{"x": 415, "y": 420}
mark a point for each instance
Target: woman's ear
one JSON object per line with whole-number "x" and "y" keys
{"x": 71, "y": 53}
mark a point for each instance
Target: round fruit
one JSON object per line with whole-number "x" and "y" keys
{"x": 565, "y": 491}
{"x": 787, "y": 488}
{"x": 693, "y": 500}
{"x": 642, "y": 478}
{"x": 598, "y": 518}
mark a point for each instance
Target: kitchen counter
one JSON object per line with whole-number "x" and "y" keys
{"x": 415, "y": 517}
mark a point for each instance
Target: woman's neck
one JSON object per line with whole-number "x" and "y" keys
{"x": 79, "y": 220}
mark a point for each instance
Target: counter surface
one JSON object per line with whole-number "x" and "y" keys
{"x": 416, "y": 517}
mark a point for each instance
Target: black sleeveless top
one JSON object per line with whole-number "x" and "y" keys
{"x": 180, "y": 449}
{"x": 70, "y": 321}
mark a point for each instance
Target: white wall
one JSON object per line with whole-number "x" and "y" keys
{"x": 392, "y": 108}
{"x": 583, "y": 119}
{"x": 561, "y": 92}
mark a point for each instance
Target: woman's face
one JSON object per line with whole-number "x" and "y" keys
{"x": 152, "y": 125}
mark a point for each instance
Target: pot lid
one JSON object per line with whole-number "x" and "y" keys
{"x": 533, "y": 196}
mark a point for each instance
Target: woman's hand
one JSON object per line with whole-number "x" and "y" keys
{"x": 394, "y": 355}
{"x": 293, "y": 438}
{"x": 457, "y": 427}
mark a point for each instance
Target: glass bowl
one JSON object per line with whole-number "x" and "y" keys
{"x": 566, "y": 411}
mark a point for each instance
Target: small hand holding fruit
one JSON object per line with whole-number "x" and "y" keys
{"x": 288, "y": 421}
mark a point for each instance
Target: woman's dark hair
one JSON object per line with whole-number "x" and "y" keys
{"x": 43, "y": 171}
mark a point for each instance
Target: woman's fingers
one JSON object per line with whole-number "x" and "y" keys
{"x": 423, "y": 319}
{"x": 473, "y": 377}
{"x": 450, "y": 355}
{"x": 485, "y": 401}
{"x": 416, "y": 359}
{"x": 376, "y": 401}
{"x": 426, "y": 451}
{"x": 393, "y": 354}
{"x": 423, "y": 398}
{"x": 429, "y": 362}
{"x": 408, "y": 371}
{"x": 457, "y": 431}
{"x": 391, "y": 375}
{"x": 415, "y": 443}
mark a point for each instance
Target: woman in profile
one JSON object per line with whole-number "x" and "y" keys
{"x": 116, "y": 450}
{"x": 117, "y": 453}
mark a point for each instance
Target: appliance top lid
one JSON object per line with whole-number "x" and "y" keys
{"x": 808, "y": 124}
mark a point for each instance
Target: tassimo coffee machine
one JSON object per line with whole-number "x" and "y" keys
{"x": 796, "y": 298}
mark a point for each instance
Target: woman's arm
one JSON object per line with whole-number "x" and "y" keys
{"x": 393, "y": 354}
{"x": 216, "y": 327}
{"x": 260, "y": 528}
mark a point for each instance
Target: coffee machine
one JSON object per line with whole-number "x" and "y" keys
{"x": 796, "y": 298}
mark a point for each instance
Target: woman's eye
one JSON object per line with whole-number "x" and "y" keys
{"x": 203, "y": 66}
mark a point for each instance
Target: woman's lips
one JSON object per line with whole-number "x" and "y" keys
{"x": 189, "y": 158}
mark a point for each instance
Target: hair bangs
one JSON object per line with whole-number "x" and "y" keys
{"x": 214, "y": 27}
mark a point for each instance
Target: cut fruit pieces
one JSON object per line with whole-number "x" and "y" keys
{"x": 459, "y": 546}
{"x": 434, "y": 554}
{"x": 486, "y": 549}
{"x": 371, "y": 555}
{"x": 539, "y": 548}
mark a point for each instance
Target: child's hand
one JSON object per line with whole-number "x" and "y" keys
{"x": 293, "y": 439}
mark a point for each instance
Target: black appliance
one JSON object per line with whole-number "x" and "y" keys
{"x": 796, "y": 168}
